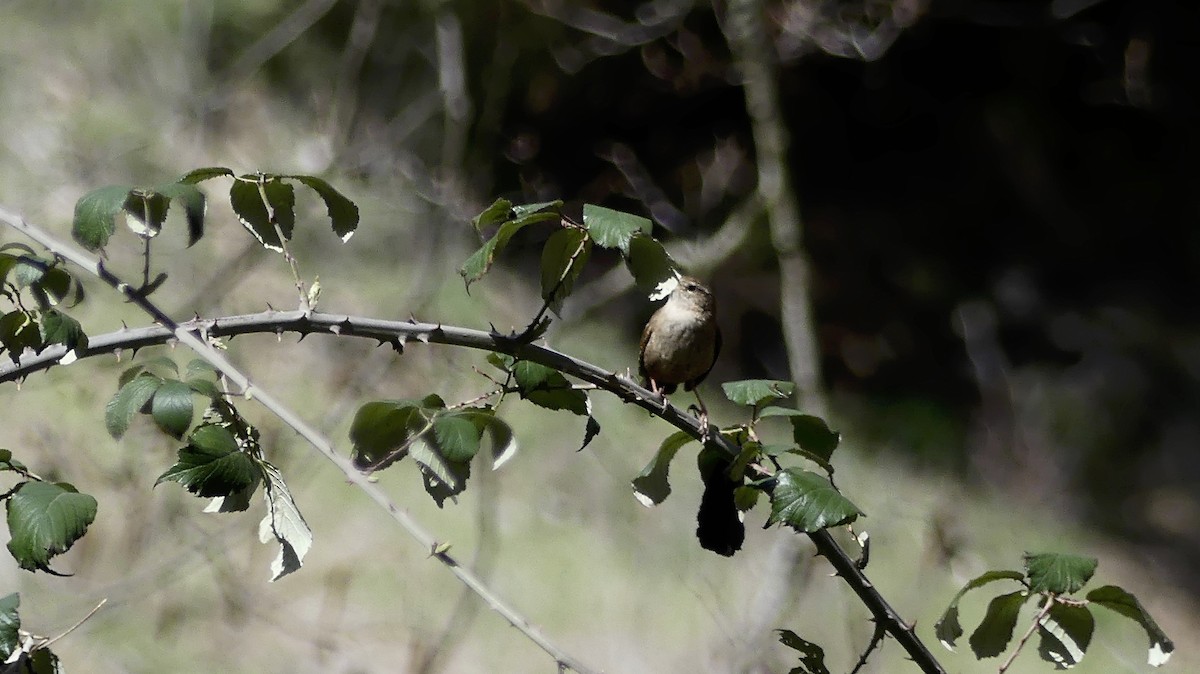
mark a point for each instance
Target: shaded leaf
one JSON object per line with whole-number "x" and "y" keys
{"x": 212, "y": 464}
{"x": 808, "y": 502}
{"x": 1058, "y": 573}
{"x": 478, "y": 264}
{"x": 247, "y": 203}
{"x": 996, "y": 629}
{"x": 613, "y": 229}
{"x": 194, "y": 206}
{"x": 44, "y": 520}
{"x": 380, "y": 428}
{"x": 95, "y": 215}
{"x": 145, "y": 212}
{"x": 171, "y": 407}
{"x": 718, "y": 523}
{"x": 648, "y": 262}
{"x": 343, "y": 213}
{"x": 757, "y": 391}
{"x": 19, "y": 331}
{"x": 284, "y": 523}
{"x": 525, "y": 210}
{"x": 7, "y": 462}
{"x": 1065, "y": 633}
{"x": 947, "y": 628}
{"x": 442, "y": 478}
{"x": 651, "y": 486}
{"x": 811, "y": 433}
{"x": 563, "y": 257}
{"x": 812, "y": 656}
{"x": 590, "y": 430}
{"x": 281, "y": 198}
{"x": 1117, "y": 599}
{"x": 547, "y": 387}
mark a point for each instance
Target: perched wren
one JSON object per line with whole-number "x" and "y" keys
{"x": 681, "y": 341}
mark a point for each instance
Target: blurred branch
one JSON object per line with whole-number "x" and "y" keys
{"x": 267, "y": 46}
{"x": 196, "y": 339}
{"x": 608, "y": 34}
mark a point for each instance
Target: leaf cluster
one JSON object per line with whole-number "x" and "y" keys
{"x": 21, "y": 651}
{"x": 34, "y": 291}
{"x": 1064, "y": 623}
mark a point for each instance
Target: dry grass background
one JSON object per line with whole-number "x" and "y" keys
{"x": 100, "y": 93}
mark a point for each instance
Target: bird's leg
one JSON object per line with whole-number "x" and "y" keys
{"x": 703, "y": 414}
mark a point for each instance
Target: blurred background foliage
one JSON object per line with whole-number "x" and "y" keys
{"x": 996, "y": 203}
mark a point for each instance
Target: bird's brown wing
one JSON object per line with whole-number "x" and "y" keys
{"x": 716, "y": 352}
{"x": 642, "y": 356}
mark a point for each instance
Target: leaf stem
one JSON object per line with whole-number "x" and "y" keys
{"x": 1037, "y": 620}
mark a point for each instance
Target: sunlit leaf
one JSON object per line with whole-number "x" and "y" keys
{"x": 45, "y": 519}
{"x": 808, "y": 502}
{"x": 128, "y": 401}
{"x": 95, "y": 215}
{"x": 809, "y": 432}
{"x": 284, "y": 523}
{"x": 1058, "y": 573}
{"x": 10, "y": 625}
{"x": 247, "y": 203}
{"x": 757, "y": 391}
{"x": 197, "y": 175}
{"x": 613, "y": 229}
{"x": 171, "y": 408}
{"x": 212, "y": 464}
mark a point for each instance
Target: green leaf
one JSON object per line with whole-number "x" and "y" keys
{"x": 996, "y": 629}
{"x": 128, "y": 401}
{"x": 95, "y": 215}
{"x": 810, "y": 432}
{"x": 613, "y": 229}
{"x": 947, "y": 628}
{"x": 648, "y": 262}
{"x": 281, "y": 197}
{"x": 547, "y": 387}
{"x": 812, "y": 656}
{"x": 745, "y": 497}
{"x": 500, "y": 210}
{"x": 44, "y": 520}
{"x": 248, "y": 204}
{"x": 44, "y": 661}
{"x": 1065, "y": 633}
{"x": 525, "y": 210}
{"x": 19, "y": 331}
{"x": 10, "y": 625}
{"x": 284, "y": 523}
{"x": 503, "y": 441}
{"x": 193, "y": 206}
{"x": 7, "y": 462}
{"x": 171, "y": 407}
{"x": 757, "y": 391}
{"x": 145, "y": 212}
{"x": 808, "y": 502}
{"x": 1058, "y": 573}
{"x": 478, "y": 264}
{"x": 442, "y": 478}
{"x": 590, "y": 430}
{"x": 718, "y": 523}
{"x": 1117, "y": 599}
{"x": 380, "y": 428}
{"x": 59, "y": 328}
{"x": 563, "y": 257}
{"x": 197, "y": 175}
{"x": 212, "y": 464}
{"x": 651, "y": 486}
{"x": 343, "y": 213}
{"x": 456, "y": 437}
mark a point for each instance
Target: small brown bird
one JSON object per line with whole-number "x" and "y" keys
{"x": 681, "y": 341}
